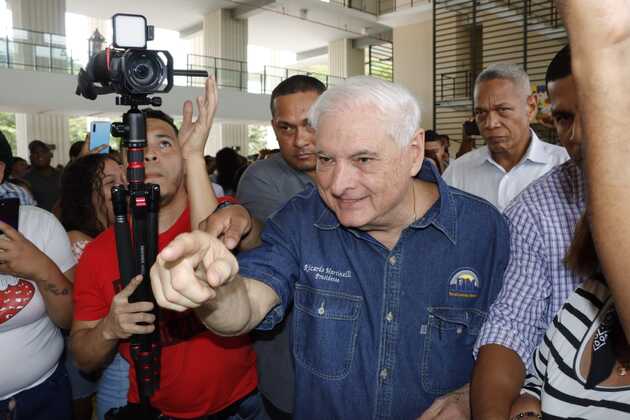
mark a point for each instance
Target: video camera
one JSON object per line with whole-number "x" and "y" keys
{"x": 129, "y": 68}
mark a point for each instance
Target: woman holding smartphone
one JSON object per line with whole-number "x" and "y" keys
{"x": 86, "y": 211}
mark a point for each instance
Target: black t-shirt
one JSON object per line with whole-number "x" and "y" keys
{"x": 45, "y": 187}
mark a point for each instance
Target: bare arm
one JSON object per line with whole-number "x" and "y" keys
{"x": 56, "y": 289}
{"x": 89, "y": 345}
{"x": 599, "y": 31}
{"x": 196, "y": 271}
{"x": 221, "y": 315}
{"x": 193, "y": 138}
{"x": 94, "y": 342}
{"x": 200, "y": 194}
{"x": 20, "y": 257}
{"x": 497, "y": 380}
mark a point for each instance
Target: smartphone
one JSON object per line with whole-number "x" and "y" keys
{"x": 99, "y": 135}
{"x": 10, "y": 211}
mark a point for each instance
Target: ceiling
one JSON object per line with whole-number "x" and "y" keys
{"x": 293, "y": 25}
{"x": 174, "y": 15}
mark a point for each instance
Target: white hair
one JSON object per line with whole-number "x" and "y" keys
{"x": 392, "y": 103}
{"x": 505, "y": 71}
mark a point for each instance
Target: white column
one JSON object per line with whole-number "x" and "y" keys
{"x": 224, "y": 36}
{"x": 39, "y": 15}
{"x": 235, "y": 135}
{"x": 47, "y": 16}
{"x": 215, "y": 140}
{"x": 413, "y": 68}
{"x": 345, "y": 61}
{"x": 225, "y": 39}
{"x": 43, "y": 16}
{"x": 197, "y": 45}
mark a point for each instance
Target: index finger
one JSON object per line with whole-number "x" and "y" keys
{"x": 98, "y": 149}
{"x": 131, "y": 287}
{"x": 211, "y": 90}
{"x": 184, "y": 245}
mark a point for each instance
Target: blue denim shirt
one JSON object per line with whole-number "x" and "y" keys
{"x": 381, "y": 333}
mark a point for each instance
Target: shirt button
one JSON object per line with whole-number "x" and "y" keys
{"x": 389, "y": 316}
{"x": 392, "y": 260}
{"x": 383, "y": 374}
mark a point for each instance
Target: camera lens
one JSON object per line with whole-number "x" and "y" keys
{"x": 145, "y": 71}
{"x": 142, "y": 72}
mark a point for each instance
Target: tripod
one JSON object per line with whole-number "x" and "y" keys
{"x": 137, "y": 252}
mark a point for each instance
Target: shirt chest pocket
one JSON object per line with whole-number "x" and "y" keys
{"x": 325, "y": 331}
{"x": 447, "y": 360}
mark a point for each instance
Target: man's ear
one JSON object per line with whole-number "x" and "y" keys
{"x": 532, "y": 107}
{"x": 274, "y": 126}
{"x": 415, "y": 148}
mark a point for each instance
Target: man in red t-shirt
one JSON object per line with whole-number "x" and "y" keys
{"x": 201, "y": 373}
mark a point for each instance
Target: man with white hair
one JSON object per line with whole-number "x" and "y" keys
{"x": 514, "y": 155}
{"x": 380, "y": 331}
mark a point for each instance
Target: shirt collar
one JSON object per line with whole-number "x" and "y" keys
{"x": 536, "y": 150}
{"x": 442, "y": 215}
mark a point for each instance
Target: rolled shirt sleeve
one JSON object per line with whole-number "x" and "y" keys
{"x": 517, "y": 319}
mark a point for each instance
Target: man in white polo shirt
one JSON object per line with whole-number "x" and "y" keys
{"x": 514, "y": 155}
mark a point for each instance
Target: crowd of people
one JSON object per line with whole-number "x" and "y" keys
{"x": 357, "y": 272}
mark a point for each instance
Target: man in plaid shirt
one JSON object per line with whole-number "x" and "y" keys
{"x": 541, "y": 221}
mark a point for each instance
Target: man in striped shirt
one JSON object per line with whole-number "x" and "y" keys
{"x": 542, "y": 221}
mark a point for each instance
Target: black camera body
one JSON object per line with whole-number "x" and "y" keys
{"x": 133, "y": 71}
{"x": 128, "y": 68}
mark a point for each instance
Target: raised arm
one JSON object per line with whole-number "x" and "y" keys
{"x": 192, "y": 138}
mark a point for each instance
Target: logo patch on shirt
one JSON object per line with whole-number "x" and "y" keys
{"x": 15, "y": 298}
{"x": 464, "y": 284}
